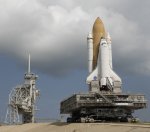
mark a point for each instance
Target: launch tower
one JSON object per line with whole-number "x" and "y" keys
{"x": 22, "y": 100}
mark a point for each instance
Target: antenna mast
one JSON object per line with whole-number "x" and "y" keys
{"x": 29, "y": 67}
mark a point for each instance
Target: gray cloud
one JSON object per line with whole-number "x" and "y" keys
{"x": 54, "y": 32}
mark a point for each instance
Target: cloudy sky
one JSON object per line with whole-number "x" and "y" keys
{"x": 54, "y": 33}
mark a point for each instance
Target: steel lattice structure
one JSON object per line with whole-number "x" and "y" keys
{"x": 22, "y": 100}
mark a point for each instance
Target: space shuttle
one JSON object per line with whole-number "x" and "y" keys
{"x": 100, "y": 60}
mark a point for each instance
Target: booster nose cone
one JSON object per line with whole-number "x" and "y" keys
{"x": 108, "y": 38}
{"x": 90, "y": 36}
{"x": 98, "y": 33}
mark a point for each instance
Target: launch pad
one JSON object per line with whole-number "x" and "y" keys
{"x": 104, "y": 101}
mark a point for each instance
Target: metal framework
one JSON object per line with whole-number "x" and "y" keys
{"x": 22, "y": 100}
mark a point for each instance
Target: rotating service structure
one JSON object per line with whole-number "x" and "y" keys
{"x": 105, "y": 100}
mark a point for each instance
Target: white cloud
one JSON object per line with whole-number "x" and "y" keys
{"x": 54, "y": 32}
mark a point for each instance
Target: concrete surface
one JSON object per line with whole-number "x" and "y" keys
{"x": 77, "y": 127}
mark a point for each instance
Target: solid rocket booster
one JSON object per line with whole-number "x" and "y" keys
{"x": 90, "y": 52}
{"x": 110, "y": 50}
